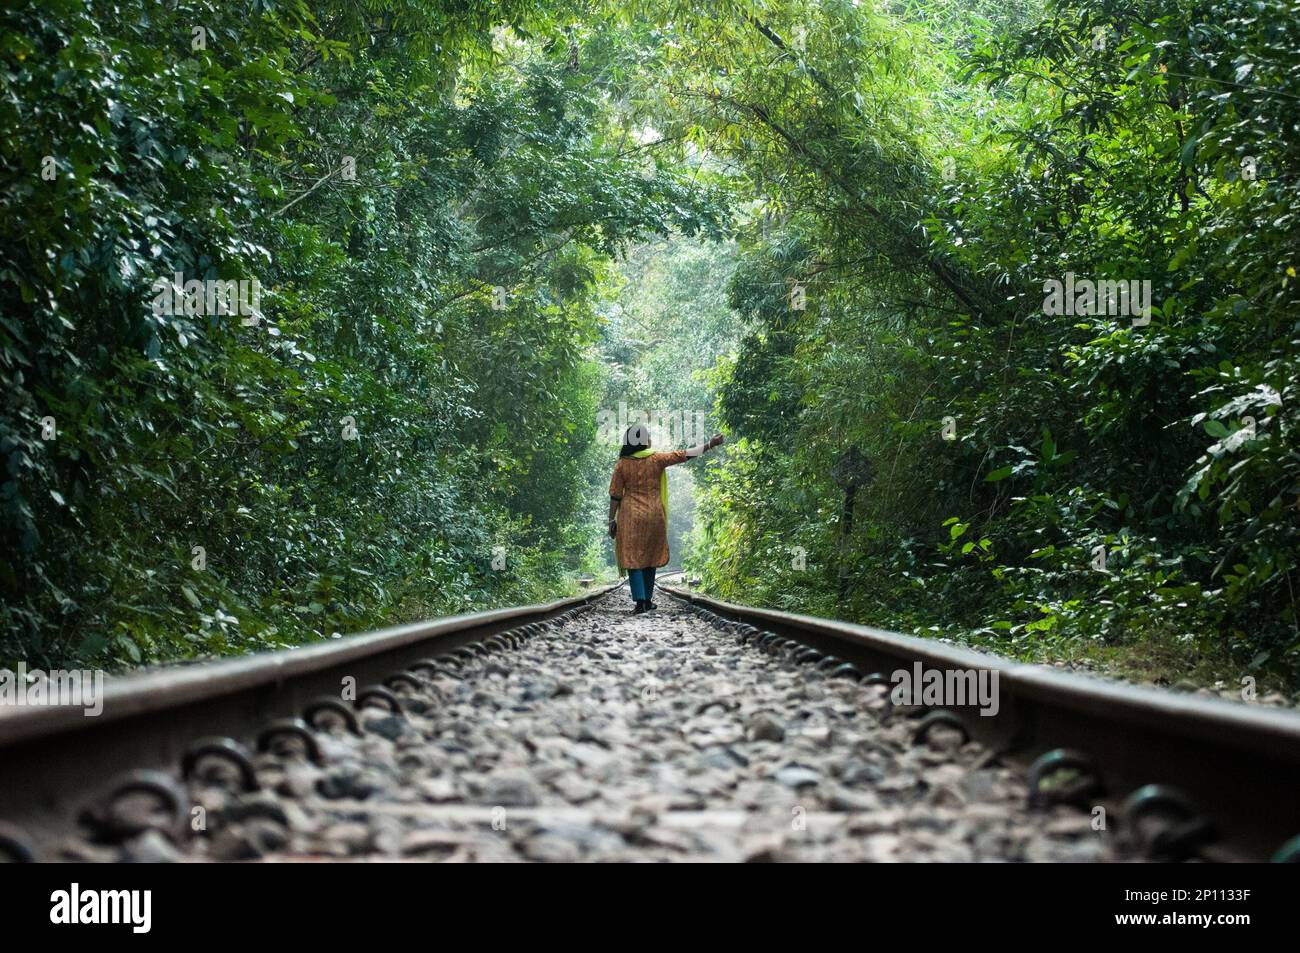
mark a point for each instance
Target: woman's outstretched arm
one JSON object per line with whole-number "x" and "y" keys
{"x": 670, "y": 458}
{"x": 714, "y": 441}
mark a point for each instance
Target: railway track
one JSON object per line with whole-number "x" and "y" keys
{"x": 1178, "y": 776}
{"x": 573, "y": 731}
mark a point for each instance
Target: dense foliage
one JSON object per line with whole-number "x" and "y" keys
{"x": 391, "y": 437}
{"x": 1106, "y": 480}
{"x": 920, "y": 437}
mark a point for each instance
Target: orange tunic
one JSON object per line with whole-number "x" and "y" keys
{"x": 642, "y": 537}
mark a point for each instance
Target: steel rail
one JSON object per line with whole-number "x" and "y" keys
{"x": 1239, "y": 763}
{"x": 51, "y": 758}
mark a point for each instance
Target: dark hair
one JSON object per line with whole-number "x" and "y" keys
{"x": 636, "y": 437}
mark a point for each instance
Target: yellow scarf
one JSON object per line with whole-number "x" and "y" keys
{"x": 663, "y": 482}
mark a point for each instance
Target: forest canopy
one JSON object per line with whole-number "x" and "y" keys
{"x": 996, "y": 303}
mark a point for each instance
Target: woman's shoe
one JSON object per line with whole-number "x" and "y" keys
{"x": 650, "y": 606}
{"x": 641, "y": 606}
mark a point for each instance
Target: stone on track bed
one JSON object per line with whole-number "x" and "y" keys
{"x": 632, "y": 738}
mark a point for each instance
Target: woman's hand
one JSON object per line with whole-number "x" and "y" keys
{"x": 613, "y": 528}
{"x": 715, "y": 441}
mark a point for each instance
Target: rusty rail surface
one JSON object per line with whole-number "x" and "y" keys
{"x": 53, "y": 758}
{"x": 1237, "y": 765}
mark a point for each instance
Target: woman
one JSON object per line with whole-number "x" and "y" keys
{"x": 639, "y": 489}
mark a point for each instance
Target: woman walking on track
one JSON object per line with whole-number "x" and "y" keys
{"x": 639, "y": 492}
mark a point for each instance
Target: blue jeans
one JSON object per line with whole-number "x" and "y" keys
{"x": 642, "y": 582}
